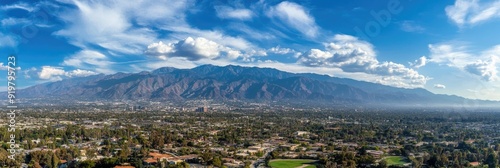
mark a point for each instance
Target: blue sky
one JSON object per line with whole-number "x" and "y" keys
{"x": 447, "y": 47}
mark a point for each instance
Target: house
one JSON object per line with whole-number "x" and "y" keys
{"x": 319, "y": 145}
{"x": 35, "y": 141}
{"x": 233, "y": 161}
{"x": 248, "y": 151}
{"x": 256, "y": 148}
{"x": 291, "y": 155}
{"x": 376, "y": 154}
{"x": 290, "y": 146}
{"x": 242, "y": 154}
{"x": 188, "y": 158}
{"x": 300, "y": 133}
{"x": 155, "y": 157}
{"x": 174, "y": 161}
{"x": 150, "y": 161}
{"x": 217, "y": 149}
{"x": 123, "y": 166}
{"x": 474, "y": 164}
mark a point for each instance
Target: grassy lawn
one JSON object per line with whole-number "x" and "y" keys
{"x": 291, "y": 163}
{"x": 396, "y": 160}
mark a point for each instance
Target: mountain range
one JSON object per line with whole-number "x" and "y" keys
{"x": 233, "y": 83}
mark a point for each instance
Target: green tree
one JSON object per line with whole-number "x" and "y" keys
{"x": 259, "y": 154}
{"x": 383, "y": 164}
{"x": 492, "y": 159}
{"x": 183, "y": 165}
{"x": 107, "y": 162}
{"x": 217, "y": 162}
{"x": 137, "y": 162}
{"x": 54, "y": 160}
{"x": 247, "y": 164}
{"x": 86, "y": 164}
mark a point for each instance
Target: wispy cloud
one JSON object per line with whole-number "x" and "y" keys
{"x": 226, "y": 12}
{"x": 252, "y": 33}
{"x": 411, "y": 26}
{"x": 21, "y": 5}
{"x": 90, "y": 60}
{"x": 106, "y": 26}
{"x": 470, "y": 12}
{"x": 106, "y": 31}
{"x": 281, "y": 50}
{"x": 14, "y": 21}
{"x": 484, "y": 64}
{"x": 8, "y": 40}
{"x": 450, "y": 54}
{"x": 6, "y": 67}
{"x": 295, "y": 16}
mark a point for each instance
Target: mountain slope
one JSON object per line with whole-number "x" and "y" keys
{"x": 228, "y": 83}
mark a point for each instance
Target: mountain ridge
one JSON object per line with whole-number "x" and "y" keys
{"x": 232, "y": 82}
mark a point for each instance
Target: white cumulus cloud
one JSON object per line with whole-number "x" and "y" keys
{"x": 439, "y": 86}
{"x": 488, "y": 70}
{"x": 484, "y": 64}
{"x": 193, "y": 49}
{"x": 80, "y": 73}
{"x": 51, "y": 73}
{"x": 420, "y": 62}
{"x": 355, "y": 56}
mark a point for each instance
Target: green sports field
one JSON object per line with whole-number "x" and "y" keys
{"x": 396, "y": 160}
{"x": 292, "y": 163}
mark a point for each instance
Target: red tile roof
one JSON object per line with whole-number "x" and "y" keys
{"x": 124, "y": 167}
{"x": 475, "y": 163}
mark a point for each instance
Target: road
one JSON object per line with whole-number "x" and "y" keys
{"x": 261, "y": 161}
